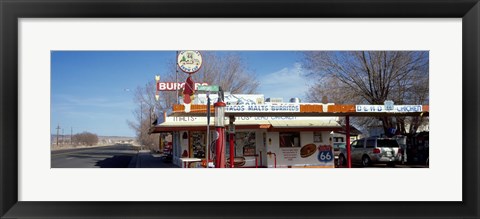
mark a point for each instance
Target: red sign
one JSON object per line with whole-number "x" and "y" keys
{"x": 324, "y": 148}
{"x": 172, "y": 86}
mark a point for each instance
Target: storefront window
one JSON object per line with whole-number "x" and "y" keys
{"x": 198, "y": 144}
{"x": 289, "y": 139}
{"x": 246, "y": 142}
{"x": 176, "y": 143}
{"x": 317, "y": 137}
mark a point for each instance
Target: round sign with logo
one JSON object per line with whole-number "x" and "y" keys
{"x": 189, "y": 61}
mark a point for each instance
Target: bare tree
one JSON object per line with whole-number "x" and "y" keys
{"x": 371, "y": 77}
{"x": 145, "y": 114}
{"x": 85, "y": 138}
{"x": 227, "y": 70}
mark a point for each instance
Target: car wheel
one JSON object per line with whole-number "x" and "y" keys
{"x": 366, "y": 161}
{"x": 341, "y": 161}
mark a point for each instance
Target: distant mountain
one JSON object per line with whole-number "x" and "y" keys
{"x": 100, "y": 136}
{"x": 101, "y": 139}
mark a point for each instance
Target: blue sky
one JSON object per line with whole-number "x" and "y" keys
{"x": 89, "y": 90}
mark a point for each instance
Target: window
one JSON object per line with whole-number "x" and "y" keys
{"x": 370, "y": 143}
{"x": 339, "y": 145}
{"x": 245, "y": 141}
{"x": 387, "y": 143}
{"x": 358, "y": 144}
{"x": 289, "y": 139}
{"x": 197, "y": 144}
{"x": 317, "y": 137}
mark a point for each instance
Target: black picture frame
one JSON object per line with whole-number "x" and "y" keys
{"x": 11, "y": 11}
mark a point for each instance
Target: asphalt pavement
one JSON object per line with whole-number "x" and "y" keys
{"x": 127, "y": 156}
{"x": 113, "y": 156}
{"x": 146, "y": 159}
{"x": 385, "y": 166}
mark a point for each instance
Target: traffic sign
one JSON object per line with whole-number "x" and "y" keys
{"x": 211, "y": 88}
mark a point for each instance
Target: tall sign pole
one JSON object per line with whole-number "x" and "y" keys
{"x": 207, "y": 90}
{"x": 189, "y": 62}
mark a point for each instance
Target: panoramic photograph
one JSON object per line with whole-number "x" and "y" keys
{"x": 239, "y": 109}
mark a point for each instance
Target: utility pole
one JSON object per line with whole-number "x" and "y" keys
{"x": 58, "y": 129}
{"x": 71, "y": 135}
{"x": 63, "y": 136}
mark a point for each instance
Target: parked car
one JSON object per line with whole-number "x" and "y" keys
{"x": 373, "y": 150}
{"x": 336, "y": 150}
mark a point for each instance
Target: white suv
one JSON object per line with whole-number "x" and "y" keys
{"x": 368, "y": 151}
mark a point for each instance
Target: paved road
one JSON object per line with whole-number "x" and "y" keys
{"x": 114, "y": 156}
{"x": 149, "y": 160}
{"x": 385, "y": 166}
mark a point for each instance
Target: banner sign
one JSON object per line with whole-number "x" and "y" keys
{"x": 390, "y": 109}
{"x": 172, "y": 86}
{"x": 271, "y": 108}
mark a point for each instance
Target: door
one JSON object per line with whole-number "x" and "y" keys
{"x": 197, "y": 144}
{"x": 357, "y": 150}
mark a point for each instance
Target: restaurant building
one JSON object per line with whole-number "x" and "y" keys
{"x": 259, "y": 140}
{"x": 270, "y": 134}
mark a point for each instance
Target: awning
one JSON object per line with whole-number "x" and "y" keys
{"x": 305, "y": 125}
{"x": 180, "y": 126}
{"x": 353, "y": 131}
{"x": 271, "y": 125}
{"x": 202, "y": 126}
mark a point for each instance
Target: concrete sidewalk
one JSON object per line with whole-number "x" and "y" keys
{"x": 145, "y": 159}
